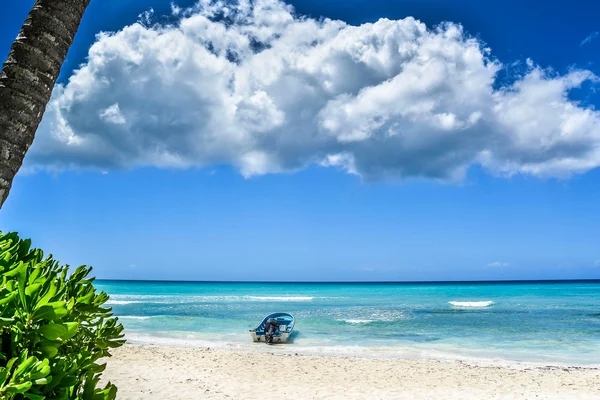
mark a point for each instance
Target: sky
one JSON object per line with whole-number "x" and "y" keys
{"x": 320, "y": 141}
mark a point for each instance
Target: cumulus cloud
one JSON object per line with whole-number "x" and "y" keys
{"x": 497, "y": 264}
{"x": 252, "y": 85}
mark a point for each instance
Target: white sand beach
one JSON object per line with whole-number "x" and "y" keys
{"x": 153, "y": 372}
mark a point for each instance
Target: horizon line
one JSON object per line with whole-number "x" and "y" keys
{"x": 584, "y": 280}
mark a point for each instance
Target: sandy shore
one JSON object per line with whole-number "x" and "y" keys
{"x": 151, "y": 372}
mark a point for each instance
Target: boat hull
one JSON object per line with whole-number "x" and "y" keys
{"x": 276, "y": 339}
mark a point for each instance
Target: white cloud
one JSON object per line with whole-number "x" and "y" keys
{"x": 176, "y": 10}
{"x": 146, "y": 16}
{"x": 113, "y": 115}
{"x": 257, "y": 87}
{"x": 588, "y": 39}
{"x": 497, "y": 264}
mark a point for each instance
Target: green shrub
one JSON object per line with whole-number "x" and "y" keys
{"x": 53, "y": 328}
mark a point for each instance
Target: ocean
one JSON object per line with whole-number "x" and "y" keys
{"x": 538, "y": 322}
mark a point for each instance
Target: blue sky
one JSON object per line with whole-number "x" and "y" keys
{"x": 142, "y": 201}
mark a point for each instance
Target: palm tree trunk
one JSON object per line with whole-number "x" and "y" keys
{"x": 28, "y": 77}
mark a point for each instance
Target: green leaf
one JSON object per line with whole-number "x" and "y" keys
{"x": 115, "y": 343}
{"x": 108, "y": 393}
{"x": 71, "y": 328}
{"x": 97, "y": 368}
{"x": 101, "y": 298}
{"x": 48, "y": 295}
{"x": 8, "y": 298}
{"x": 34, "y": 274}
{"x": 59, "y": 307}
{"x": 22, "y": 278}
{"x": 90, "y": 384}
{"x": 3, "y": 375}
{"x": 49, "y": 350}
{"x": 51, "y": 311}
{"x": 44, "y": 312}
{"x": 86, "y": 299}
{"x": 20, "y": 388}
{"x": 53, "y": 331}
{"x": 32, "y": 396}
{"x": 10, "y": 363}
{"x": 24, "y": 246}
{"x": 32, "y": 289}
{"x": 20, "y": 267}
{"x": 25, "y": 366}
{"x": 42, "y": 371}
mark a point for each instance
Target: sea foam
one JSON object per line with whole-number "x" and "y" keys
{"x": 279, "y": 298}
{"x": 144, "y": 299}
{"x": 120, "y": 302}
{"x": 471, "y": 303}
{"x": 357, "y": 321}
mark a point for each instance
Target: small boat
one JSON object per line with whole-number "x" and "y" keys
{"x": 286, "y": 324}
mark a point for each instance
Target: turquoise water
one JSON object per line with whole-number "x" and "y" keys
{"x": 550, "y": 322}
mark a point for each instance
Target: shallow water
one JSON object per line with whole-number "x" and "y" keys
{"x": 550, "y": 322}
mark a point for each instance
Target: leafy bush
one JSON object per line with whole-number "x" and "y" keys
{"x": 53, "y": 328}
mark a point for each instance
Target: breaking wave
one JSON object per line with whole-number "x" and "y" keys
{"x": 471, "y": 303}
{"x": 279, "y": 298}
{"x": 357, "y": 321}
{"x": 153, "y": 299}
{"x": 120, "y": 302}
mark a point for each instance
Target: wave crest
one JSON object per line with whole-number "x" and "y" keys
{"x": 357, "y": 321}
{"x": 471, "y": 303}
{"x": 154, "y": 299}
{"x": 279, "y": 298}
{"x": 120, "y": 302}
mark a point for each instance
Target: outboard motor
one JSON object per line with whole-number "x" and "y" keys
{"x": 270, "y": 327}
